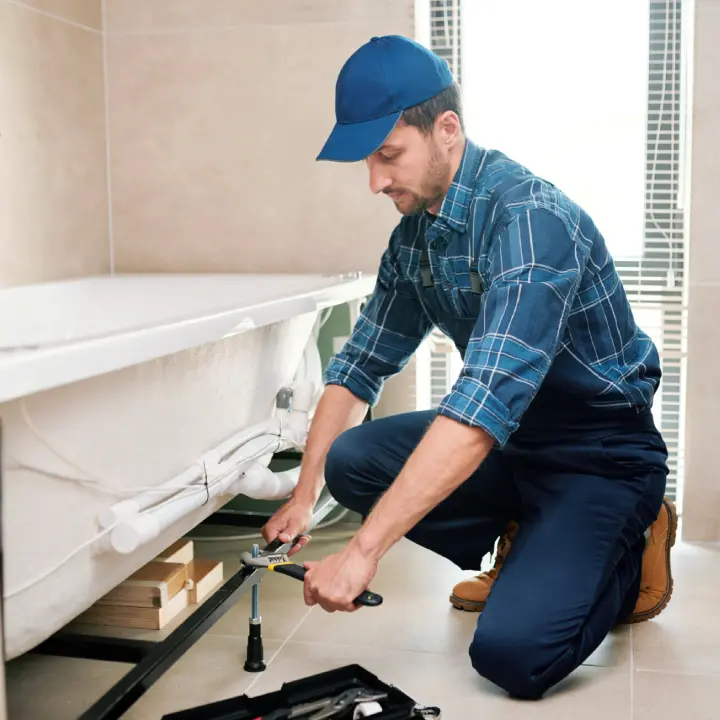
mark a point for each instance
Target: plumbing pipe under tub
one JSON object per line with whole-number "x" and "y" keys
{"x": 193, "y": 475}
{"x": 130, "y": 534}
{"x": 232, "y": 468}
{"x": 258, "y": 482}
{"x": 292, "y": 425}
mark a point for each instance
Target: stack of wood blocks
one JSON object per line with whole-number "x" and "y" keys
{"x": 159, "y": 591}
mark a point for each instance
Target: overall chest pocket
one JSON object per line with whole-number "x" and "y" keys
{"x": 467, "y": 295}
{"x": 455, "y": 304}
{"x": 460, "y": 288}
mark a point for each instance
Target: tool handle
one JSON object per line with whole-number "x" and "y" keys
{"x": 367, "y": 598}
{"x": 291, "y": 570}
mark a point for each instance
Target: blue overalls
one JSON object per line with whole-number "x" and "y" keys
{"x": 582, "y": 483}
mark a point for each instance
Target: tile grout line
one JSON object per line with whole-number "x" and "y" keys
{"x": 632, "y": 675}
{"x": 683, "y": 673}
{"x": 280, "y": 649}
{"x": 215, "y": 28}
{"x": 59, "y": 18}
{"x": 108, "y": 169}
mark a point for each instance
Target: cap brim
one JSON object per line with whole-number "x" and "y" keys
{"x": 356, "y": 141}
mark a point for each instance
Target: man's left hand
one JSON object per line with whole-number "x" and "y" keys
{"x": 335, "y": 582}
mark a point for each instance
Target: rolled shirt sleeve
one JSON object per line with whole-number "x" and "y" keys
{"x": 535, "y": 266}
{"x": 389, "y": 330}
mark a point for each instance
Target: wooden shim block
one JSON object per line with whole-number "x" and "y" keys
{"x": 205, "y": 575}
{"x": 154, "y": 585}
{"x": 182, "y": 551}
{"x": 142, "y": 618}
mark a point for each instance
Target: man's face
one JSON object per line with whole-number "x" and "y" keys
{"x": 413, "y": 169}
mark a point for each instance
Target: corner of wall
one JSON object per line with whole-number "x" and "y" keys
{"x": 108, "y": 166}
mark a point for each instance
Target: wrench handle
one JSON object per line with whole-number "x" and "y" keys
{"x": 367, "y": 598}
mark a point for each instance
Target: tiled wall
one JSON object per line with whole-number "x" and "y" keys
{"x": 53, "y": 189}
{"x": 217, "y": 109}
{"x": 701, "y": 519}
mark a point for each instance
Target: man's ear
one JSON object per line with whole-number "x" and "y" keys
{"x": 447, "y": 126}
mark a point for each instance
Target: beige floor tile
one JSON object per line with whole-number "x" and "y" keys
{"x": 59, "y": 688}
{"x": 416, "y": 614}
{"x": 425, "y": 654}
{"x": 696, "y": 570}
{"x": 614, "y": 651}
{"x": 449, "y": 682}
{"x": 210, "y": 671}
{"x": 663, "y": 696}
{"x": 685, "y": 638}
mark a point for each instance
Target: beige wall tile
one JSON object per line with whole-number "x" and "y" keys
{"x": 701, "y": 502}
{"x": 84, "y": 12}
{"x": 170, "y": 15}
{"x": 213, "y": 142}
{"x": 701, "y": 505}
{"x": 53, "y": 189}
{"x": 704, "y": 250}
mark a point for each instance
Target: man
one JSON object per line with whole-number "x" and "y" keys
{"x": 547, "y": 433}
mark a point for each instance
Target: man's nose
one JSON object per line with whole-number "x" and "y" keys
{"x": 379, "y": 180}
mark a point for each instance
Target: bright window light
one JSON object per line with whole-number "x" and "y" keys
{"x": 564, "y": 92}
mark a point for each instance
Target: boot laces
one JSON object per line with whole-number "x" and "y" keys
{"x": 502, "y": 551}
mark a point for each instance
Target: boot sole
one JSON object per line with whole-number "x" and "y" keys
{"x": 466, "y": 605}
{"x": 669, "y": 506}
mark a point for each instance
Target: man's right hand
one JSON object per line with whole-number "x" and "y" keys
{"x": 337, "y": 411}
{"x": 292, "y": 519}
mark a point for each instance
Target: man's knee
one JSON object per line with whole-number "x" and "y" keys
{"x": 343, "y": 467}
{"x": 510, "y": 660}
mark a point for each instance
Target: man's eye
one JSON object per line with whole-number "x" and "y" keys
{"x": 388, "y": 158}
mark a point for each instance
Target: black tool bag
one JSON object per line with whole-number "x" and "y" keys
{"x": 397, "y": 706}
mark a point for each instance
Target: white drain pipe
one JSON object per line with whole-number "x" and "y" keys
{"x": 233, "y": 467}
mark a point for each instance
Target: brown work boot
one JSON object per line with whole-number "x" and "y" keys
{"x": 472, "y": 594}
{"x": 656, "y": 583}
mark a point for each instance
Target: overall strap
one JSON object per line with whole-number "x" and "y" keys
{"x": 476, "y": 284}
{"x": 425, "y": 269}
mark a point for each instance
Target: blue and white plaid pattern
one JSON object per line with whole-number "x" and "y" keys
{"x": 552, "y": 314}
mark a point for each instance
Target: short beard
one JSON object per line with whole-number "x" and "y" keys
{"x": 433, "y": 187}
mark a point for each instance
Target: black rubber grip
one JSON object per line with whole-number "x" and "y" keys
{"x": 291, "y": 570}
{"x": 367, "y": 598}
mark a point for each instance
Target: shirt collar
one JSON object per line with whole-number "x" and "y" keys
{"x": 455, "y": 208}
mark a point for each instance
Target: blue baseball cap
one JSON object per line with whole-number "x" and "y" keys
{"x": 381, "y": 79}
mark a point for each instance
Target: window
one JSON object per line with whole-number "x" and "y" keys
{"x": 593, "y": 98}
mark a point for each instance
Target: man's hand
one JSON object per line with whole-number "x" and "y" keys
{"x": 289, "y": 521}
{"x": 335, "y": 582}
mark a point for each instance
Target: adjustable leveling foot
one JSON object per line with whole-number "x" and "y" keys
{"x": 254, "y": 661}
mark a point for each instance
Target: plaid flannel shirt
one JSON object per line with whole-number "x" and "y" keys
{"x": 524, "y": 285}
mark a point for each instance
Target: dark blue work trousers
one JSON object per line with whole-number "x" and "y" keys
{"x": 583, "y": 494}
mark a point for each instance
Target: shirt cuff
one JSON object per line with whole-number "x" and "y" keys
{"x": 340, "y": 373}
{"x": 471, "y": 403}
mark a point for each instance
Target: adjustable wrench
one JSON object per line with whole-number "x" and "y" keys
{"x": 281, "y": 563}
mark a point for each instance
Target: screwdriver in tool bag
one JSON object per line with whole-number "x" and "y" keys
{"x": 281, "y": 563}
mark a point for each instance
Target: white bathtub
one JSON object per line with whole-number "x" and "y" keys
{"x": 129, "y": 380}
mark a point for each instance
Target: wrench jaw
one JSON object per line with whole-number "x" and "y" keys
{"x": 263, "y": 560}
